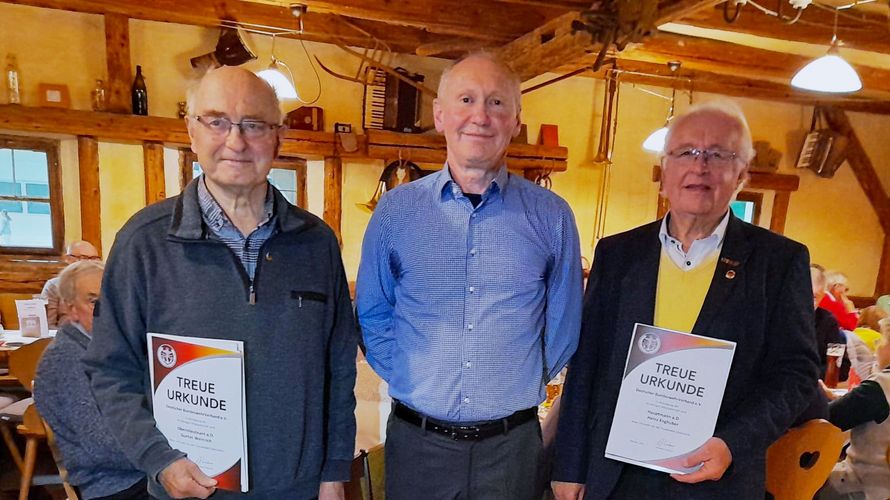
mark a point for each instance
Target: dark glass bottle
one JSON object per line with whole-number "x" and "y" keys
{"x": 139, "y": 94}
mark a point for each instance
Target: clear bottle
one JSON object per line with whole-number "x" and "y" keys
{"x": 139, "y": 94}
{"x": 98, "y": 96}
{"x": 13, "y": 83}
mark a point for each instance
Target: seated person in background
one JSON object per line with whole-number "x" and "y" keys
{"x": 862, "y": 342}
{"x": 865, "y": 411}
{"x": 95, "y": 462}
{"x": 827, "y": 328}
{"x": 56, "y": 315}
{"x": 836, "y": 301}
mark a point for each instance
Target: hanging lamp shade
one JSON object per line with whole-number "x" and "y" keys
{"x": 655, "y": 141}
{"x": 829, "y": 73}
{"x": 283, "y": 86}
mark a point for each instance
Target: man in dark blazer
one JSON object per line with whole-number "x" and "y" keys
{"x": 758, "y": 295}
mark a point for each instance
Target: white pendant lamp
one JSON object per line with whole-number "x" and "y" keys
{"x": 281, "y": 82}
{"x": 830, "y": 73}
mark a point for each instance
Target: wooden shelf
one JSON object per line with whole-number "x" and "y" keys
{"x": 375, "y": 144}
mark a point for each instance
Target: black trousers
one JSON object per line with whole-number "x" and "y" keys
{"x": 429, "y": 466}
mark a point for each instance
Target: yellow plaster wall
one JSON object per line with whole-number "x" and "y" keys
{"x": 122, "y": 187}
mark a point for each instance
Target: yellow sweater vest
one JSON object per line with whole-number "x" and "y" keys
{"x": 680, "y": 294}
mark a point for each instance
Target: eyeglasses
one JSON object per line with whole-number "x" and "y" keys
{"x": 250, "y": 129}
{"x": 84, "y": 257}
{"x": 718, "y": 158}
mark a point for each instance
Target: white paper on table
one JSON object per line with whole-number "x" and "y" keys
{"x": 32, "y": 317}
{"x": 198, "y": 403}
{"x": 669, "y": 399}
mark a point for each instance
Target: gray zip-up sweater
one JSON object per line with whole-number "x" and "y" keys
{"x": 295, "y": 318}
{"x": 94, "y": 459}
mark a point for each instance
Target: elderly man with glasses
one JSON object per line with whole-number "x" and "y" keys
{"x": 231, "y": 259}
{"x": 56, "y": 312}
{"x": 699, "y": 270}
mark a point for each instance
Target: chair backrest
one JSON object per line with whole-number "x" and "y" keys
{"x": 57, "y": 456}
{"x": 366, "y": 479}
{"x": 800, "y": 461}
{"x": 23, "y": 361}
{"x": 8, "y": 312}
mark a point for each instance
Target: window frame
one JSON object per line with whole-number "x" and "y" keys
{"x": 54, "y": 175}
{"x": 297, "y": 164}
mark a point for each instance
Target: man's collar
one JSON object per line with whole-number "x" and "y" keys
{"x": 214, "y": 214}
{"x": 445, "y": 179}
{"x": 719, "y": 232}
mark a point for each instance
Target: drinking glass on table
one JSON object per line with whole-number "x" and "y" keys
{"x": 835, "y": 354}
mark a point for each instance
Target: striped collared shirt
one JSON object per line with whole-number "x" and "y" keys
{"x": 467, "y": 312}
{"x": 247, "y": 248}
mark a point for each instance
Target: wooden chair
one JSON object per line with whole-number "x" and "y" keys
{"x": 23, "y": 366}
{"x": 366, "y": 479}
{"x": 800, "y": 461}
{"x": 57, "y": 456}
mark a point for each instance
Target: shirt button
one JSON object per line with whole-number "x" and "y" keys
{"x": 472, "y": 289}
{"x": 474, "y": 215}
{"x": 466, "y": 400}
{"x": 473, "y": 251}
{"x": 470, "y": 327}
{"x": 467, "y": 364}
{"x": 688, "y": 263}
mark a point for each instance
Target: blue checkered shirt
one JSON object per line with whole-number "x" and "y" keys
{"x": 468, "y": 312}
{"x": 247, "y": 249}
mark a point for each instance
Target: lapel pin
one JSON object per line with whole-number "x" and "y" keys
{"x": 730, "y": 274}
{"x": 729, "y": 262}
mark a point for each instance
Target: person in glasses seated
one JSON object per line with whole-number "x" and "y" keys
{"x": 700, "y": 270}
{"x": 231, "y": 259}
{"x": 96, "y": 464}
{"x": 76, "y": 251}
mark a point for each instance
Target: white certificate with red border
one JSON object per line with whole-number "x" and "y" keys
{"x": 198, "y": 403}
{"x": 669, "y": 399}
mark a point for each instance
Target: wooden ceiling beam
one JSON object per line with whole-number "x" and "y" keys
{"x": 703, "y": 54}
{"x": 475, "y": 20}
{"x": 865, "y": 32}
{"x": 318, "y": 27}
{"x": 555, "y": 42}
{"x": 657, "y": 75}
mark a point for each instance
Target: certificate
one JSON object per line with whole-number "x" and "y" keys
{"x": 669, "y": 399}
{"x": 198, "y": 403}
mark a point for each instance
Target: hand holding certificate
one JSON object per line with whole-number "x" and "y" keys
{"x": 198, "y": 403}
{"x": 669, "y": 399}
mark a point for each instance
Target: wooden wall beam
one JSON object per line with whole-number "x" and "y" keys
{"x": 117, "y": 57}
{"x": 882, "y": 283}
{"x": 862, "y": 167}
{"x": 780, "y": 212}
{"x": 376, "y": 144}
{"x": 90, "y": 197}
{"x": 333, "y": 194}
{"x": 153, "y": 155}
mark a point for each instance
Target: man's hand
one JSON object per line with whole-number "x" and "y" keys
{"x": 183, "y": 479}
{"x": 331, "y": 491}
{"x": 567, "y": 491}
{"x": 715, "y": 458}
{"x": 829, "y": 394}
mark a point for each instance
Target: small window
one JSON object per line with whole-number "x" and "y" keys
{"x": 31, "y": 218}
{"x": 287, "y": 174}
